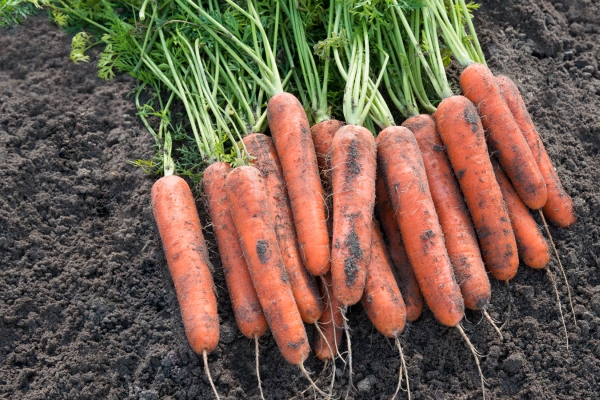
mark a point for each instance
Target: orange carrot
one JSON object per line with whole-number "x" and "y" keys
{"x": 405, "y": 276}
{"x": 331, "y": 322}
{"x": 402, "y": 168}
{"x": 304, "y": 286}
{"x": 461, "y": 241}
{"x": 354, "y": 164}
{"x": 247, "y": 197}
{"x": 461, "y": 132}
{"x": 291, "y": 134}
{"x": 244, "y": 300}
{"x": 187, "y": 256}
{"x": 505, "y": 137}
{"x": 322, "y": 136}
{"x": 559, "y": 206}
{"x": 381, "y": 299}
{"x": 532, "y": 246}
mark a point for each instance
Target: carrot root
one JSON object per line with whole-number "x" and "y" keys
{"x": 476, "y": 356}
{"x": 562, "y": 317}
{"x": 256, "y": 348}
{"x": 493, "y": 323}
{"x": 212, "y": 384}
{"x": 562, "y": 269}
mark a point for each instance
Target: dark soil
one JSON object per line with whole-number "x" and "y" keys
{"x": 87, "y": 306}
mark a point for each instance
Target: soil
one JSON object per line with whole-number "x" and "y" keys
{"x": 87, "y": 306}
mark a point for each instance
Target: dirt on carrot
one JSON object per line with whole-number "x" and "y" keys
{"x": 88, "y": 308}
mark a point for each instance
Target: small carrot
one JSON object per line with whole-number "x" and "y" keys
{"x": 291, "y": 134}
{"x": 461, "y": 132}
{"x": 331, "y": 322}
{"x": 405, "y": 276}
{"x": 244, "y": 300}
{"x": 532, "y": 246}
{"x": 187, "y": 256}
{"x": 382, "y": 299}
{"x": 461, "y": 241}
{"x": 250, "y": 211}
{"x": 354, "y": 164}
{"x": 505, "y": 137}
{"x": 402, "y": 167}
{"x": 559, "y": 206}
{"x": 322, "y": 136}
{"x": 304, "y": 287}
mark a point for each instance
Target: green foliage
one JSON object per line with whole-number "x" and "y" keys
{"x": 13, "y": 12}
{"x": 79, "y": 45}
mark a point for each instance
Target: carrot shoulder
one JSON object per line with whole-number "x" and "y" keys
{"x": 532, "y": 246}
{"x": 461, "y": 241}
{"x": 559, "y": 206}
{"x": 354, "y": 164}
{"x": 247, "y": 197}
{"x": 291, "y": 134}
{"x": 505, "y": 137}
{"x": 382, "y": 299}
{"x": 405, "y": 276}
{"x": 304, "y": 287}
{"x": 402, "y": 167}
{"x": 244, "y": 300}
{"x": 187, "y": 256}
{"x": 461, "y": 132}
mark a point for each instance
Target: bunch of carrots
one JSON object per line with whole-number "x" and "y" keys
{"x": 321, "y": 214}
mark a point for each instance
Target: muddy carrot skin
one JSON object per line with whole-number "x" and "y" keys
{"x": 322, "y": 135}
{"x": 455, "y": 220}
{"x": 244, "y": 300}
{"x": 404, "y": 174}
{"x": 461, "y": 132}
{"x": 559, "y": 206}
{"x": 304, "y": 287}
{"x": 291, "y": 134}
{"x": 405, "y": 276}
{"x": 249, "y": 204}
{"x": 532, "y": 246}
{"x": 331, "y": 322}
{"x": 354, "y": 164}
{"x": 187, "y": 256}
{"x": 479, "y": 85}
{"x": 382, "y": 299}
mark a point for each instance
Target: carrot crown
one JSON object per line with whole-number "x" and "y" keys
{"x": 315, "y": 77}
{"x": 452, "y": 15}
{"x": 353, "y": 27}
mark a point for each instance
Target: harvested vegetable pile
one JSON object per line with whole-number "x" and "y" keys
{"x": 62, "y": 322}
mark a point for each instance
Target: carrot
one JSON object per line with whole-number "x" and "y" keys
{"x": 304, "y": 287}
{"x": 382, "y": 299}
{"x": 322, "y": 136}
{"x": 402, "y": 168}
{"x": 532, "y": 246}
{"x": 405, "y": 276}
{"x": 505, "y": 137}
{"x": 247, "y": 197}
{"x": 244, "y": 300}
{"x": 187, "y": 256}
{"x": 461, "y": 132}
{"x": 291, "y": 134}
{"x": 461, "y": 241}
{"x": 559, "y": 206}
{"x": 354, "y": 163}
{"x": 331, "y": 322}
